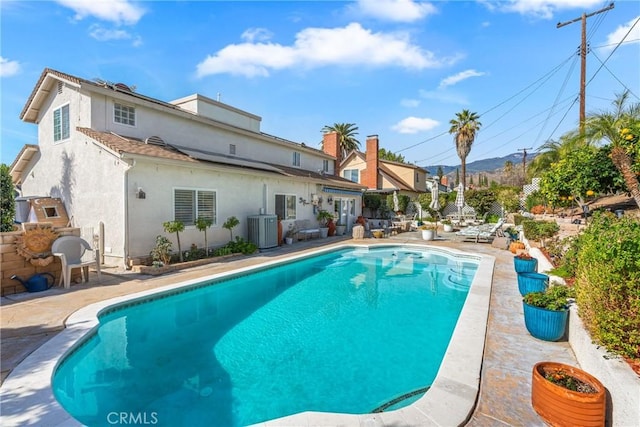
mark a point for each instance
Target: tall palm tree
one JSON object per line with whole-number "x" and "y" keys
{"x": 346, "y": 134}
{"x": 464, "y": 127}
{"x": 620, "y": 127}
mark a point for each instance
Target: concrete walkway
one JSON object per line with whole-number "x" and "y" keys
{"x": 30, "y": 319}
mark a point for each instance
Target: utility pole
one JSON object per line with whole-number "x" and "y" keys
{"x": 583, "y": 57}
{"x": 524, "y": 162}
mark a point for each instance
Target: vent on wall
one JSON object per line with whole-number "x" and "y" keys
{"x": 155, "y": 140}
{"x": 60, "y": 86}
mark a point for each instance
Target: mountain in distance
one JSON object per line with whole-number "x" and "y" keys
{"x": 484, "y": 165}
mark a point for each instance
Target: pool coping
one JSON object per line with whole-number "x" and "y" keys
{"x": 450, "y": 400}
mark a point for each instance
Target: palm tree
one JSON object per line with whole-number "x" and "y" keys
{"x": 346, "y": 134}
{"x": 464, "y": 126}
{"x": 620, "y": 127}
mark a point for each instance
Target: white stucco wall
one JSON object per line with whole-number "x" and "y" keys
{"x": 183, "y": 129}
{"x": 238, "y": 193}
{"x": 87, "y": 178}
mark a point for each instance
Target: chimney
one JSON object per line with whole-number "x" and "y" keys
{"x": 370, "y": 174}
{"x": 331, "y": 146}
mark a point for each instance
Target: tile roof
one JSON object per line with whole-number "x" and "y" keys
{"x": 124, "y": 144}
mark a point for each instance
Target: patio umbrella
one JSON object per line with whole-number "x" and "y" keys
{"x": 396, "y": 204}
{"x": 435, "y": 203}
{"x": 460, "y": 200}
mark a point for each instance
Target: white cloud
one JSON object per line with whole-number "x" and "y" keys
{"x": 457, "y": 78}
{"x": 317, "y": 47}
{"x": 410, "y": 103}
{"x": 616, "y": 37}
{"x": 256, "y": 34}
{"x": 539, "y": 8}
{"x": 396, "y": 10}
{"x": 415, "y": 125}
{"x": 8, "y": 68}
{"x": 104, "y": 34}
{"x": 116, "y": 11}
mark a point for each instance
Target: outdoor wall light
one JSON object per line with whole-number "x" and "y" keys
{"x": 140, "y": 194}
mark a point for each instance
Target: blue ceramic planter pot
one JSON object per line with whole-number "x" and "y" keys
{"x": 525, "y": 265}
{"x": 547, "y": 325}
{"x": 532, "y": 282}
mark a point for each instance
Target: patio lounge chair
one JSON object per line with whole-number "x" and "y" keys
{"x": 71, "y": 249}
{"x": 481, "y": 233}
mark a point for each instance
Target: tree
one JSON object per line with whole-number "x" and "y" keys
{"x": 388, "y": 155}
{"x": 175, "y": 227}
{"x": 552, "y": 151}
{"x": 464, "y": 128}
{"x": 202, "y": 224}
{"x": 346, "y": 136}
{"x": 7, "y": 199}
{"x": 586, "y": 168}
{"x": 621, "y": 127}
{"x": 457, "y": 177}
{"x": 230, "y": 223}
{"x": 440, "y": 173}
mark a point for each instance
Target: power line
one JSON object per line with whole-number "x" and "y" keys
{"x": 548, "y": 73}
{"x": 614, "y": 76}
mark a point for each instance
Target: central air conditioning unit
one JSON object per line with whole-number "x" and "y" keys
{"x": 263, "y": 230}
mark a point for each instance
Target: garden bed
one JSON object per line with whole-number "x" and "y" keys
{"x": 156, "y": 271}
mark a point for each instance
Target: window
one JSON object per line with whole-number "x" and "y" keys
{"x": 325, "y": 165}
{"x": 285, "y": 206}
{"x": 232, "y": 149}
{"x": 51, "y": 212}
{"x": 61, "y": 123}
{"x": 124, "y": 115}
{"x": 417, "y": 177}
{"x": 351, "y": 174}
{"x": 296, "y": 159}
{"x": 191, "y": 204}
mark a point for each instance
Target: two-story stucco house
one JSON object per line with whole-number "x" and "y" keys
{"x": 378, "y": 175}
{"x": 125, "y": 163}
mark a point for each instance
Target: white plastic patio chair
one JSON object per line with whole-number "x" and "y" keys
{"x": 71, "y": 249}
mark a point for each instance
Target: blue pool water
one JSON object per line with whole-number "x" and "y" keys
{"x": 342, "y": 332}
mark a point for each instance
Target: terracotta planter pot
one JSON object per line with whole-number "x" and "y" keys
{"x": 559, "y": 406}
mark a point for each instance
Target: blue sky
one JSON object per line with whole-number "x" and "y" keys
{"x": 400, "y": 69}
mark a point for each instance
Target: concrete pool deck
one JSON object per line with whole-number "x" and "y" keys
{"x": 31, "y": 320}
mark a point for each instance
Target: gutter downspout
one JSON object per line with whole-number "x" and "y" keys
{"x": 131, "y": 163}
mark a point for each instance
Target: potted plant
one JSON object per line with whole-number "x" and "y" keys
{"x": 524, "y": 262}
{"x": 545, "y": 312}
{"x": 447, "y": 225}
{"x": 291, "y": 233}
{"x": 323, "y": 218}
{"x": 428, "y": 232}
{"x": 564, "y": 395}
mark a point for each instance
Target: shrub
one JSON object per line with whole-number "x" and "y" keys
{"x": 539, "y": 230}
{"x": 537, "y": 209}
{"x": 162, "y": 251}
{"x": 517, "y": 219}
{"x": 553, "y": 298}
{"x": 8, "y": 203}
{"x": 480, "y": 200}
{"x": 534, "y": 199}
{"x": 493, "y": 218}
{"x": 607, "y": 270}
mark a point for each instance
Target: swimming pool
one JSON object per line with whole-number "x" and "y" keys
{"x": 247, "y": 343}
